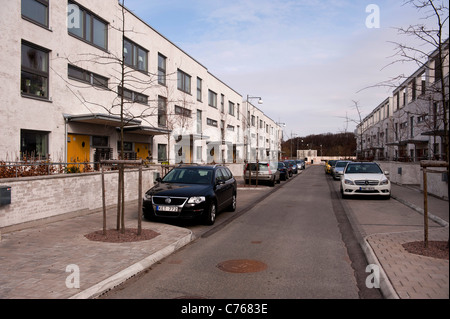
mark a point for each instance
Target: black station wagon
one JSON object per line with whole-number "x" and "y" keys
{"x": 189, "y": 192}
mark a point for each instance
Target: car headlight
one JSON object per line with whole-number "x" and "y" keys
{"x": 349, "y": 182}
{"x": 196, "y": 200}
{"x": 147, "y": 197}
{"x": 384, "y": 182}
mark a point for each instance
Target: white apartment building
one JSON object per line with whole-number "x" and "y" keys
{"x": 408, "y": 126}
{"x": 63, "y": 83}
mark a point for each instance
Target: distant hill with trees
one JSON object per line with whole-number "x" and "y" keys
{"x": 339, "y": 144}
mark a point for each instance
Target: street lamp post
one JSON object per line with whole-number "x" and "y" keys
{"x": 260, "y": 101}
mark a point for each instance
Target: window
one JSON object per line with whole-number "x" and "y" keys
{"x": 182, "y": 111}
{"x": 222, "y": 102}
{"x": 100, "y": 141}
{"x": 199, "y": 89}
{"x": 161, "y": 69}
{"x": 76, "y": 73}
{"x": 411, "y": 121}
{"x": 34, "y": 71}
{"x": 33, "y": 144}
{"x": 85, "y": 25}
{"x": 413, "y": 88}
{"x": 231, "y": 108}
{"x": 211, "y": 122}
{"x": 212, "y": 98}
{"x": 36, "y": 10}
{"x": 184, "y": 82}
{"x": 162, "y": 111}
{"x": 437, "y": 70}
{"x": 134, "y": 55}
{"x": 133, "y": 96}
{"x": 162, "y": 152}
{"x": 199, "y": 122}
{"x": 396, "y": 131}
{"x": 230, "y": 128}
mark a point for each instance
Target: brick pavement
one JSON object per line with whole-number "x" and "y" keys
{"x": 412, "y": 276}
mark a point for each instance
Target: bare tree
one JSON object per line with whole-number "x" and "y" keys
{"x": 436, "y": 37}
{"x": 128, "y": 87}
{"x": 360, "y": 128}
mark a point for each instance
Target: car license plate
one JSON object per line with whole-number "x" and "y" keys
{"x": 167, "y": 209}
{"x": 367, "y": 188}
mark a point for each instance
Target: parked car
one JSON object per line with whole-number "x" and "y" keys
{"x": 366, "y": 178}
{"x": 284, "y": 171}
{"x": 301, "y": 164}
{"x": 265, "y": 172}
{"x": 338, "y": 169}
{"x": 293, "y": 165}
{"x": 328, "y": 165}
{"x": 188, "y": 192}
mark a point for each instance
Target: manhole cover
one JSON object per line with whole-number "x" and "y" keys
{"x": 242, "y": 266}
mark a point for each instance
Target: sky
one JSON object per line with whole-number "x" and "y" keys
{"x": 309, "y": 60}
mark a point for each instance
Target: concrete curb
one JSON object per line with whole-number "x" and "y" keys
{"x": 133, "y": 270}
{"x": 386, "y": 287}
{"x": 434, "y": 218}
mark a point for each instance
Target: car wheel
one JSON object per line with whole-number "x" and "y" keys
{"x": 272, "y": 182}
{"x": 342, "y": 194}
{"x": 210, "y": 217}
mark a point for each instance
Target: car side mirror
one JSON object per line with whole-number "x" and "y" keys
{"x": 386, "y": 172}
{"x": 220, "y": 182}
{"x": 158, "y": 180}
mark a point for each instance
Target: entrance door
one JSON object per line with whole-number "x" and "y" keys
{"x": 142, "y": 150}
{"x": 78, "y": 149}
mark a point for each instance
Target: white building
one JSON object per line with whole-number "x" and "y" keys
{"x": 62, "y": 84}
{"x": 409, "y": 125}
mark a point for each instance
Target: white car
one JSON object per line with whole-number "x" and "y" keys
{"x": 365, "y": 178}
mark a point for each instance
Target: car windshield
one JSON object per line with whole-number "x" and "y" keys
{"x": 189, "y": 176}
{"x": 341, "y": 164}
{"x": 331, "y": 162}
{"x": 364, "y": 168}
{"x": 281, "y": 165}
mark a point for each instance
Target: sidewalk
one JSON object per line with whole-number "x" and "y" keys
{"x": 33, "y": 261}
{"x": 405, "y": 275}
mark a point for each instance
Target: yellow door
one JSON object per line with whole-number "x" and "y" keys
{"x": 142, "y": 150}
{"x": 78, "y": 149}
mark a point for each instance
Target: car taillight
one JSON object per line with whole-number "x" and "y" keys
{"x": 268, "y": 167}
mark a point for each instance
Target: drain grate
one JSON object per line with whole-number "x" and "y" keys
{"x": 242, "y": 266}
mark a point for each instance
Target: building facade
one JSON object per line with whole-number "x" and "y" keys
{"x": 409, "y": 125}
{"x": 82, "y": 80}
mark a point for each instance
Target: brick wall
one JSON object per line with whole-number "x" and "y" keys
{"x": 35, "y": 198}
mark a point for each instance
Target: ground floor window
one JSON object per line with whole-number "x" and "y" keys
{"x": 34, "y": 144}
{"x": 162, "y": 152}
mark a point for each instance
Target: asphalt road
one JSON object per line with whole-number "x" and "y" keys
{"x": 294, "y": 244}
